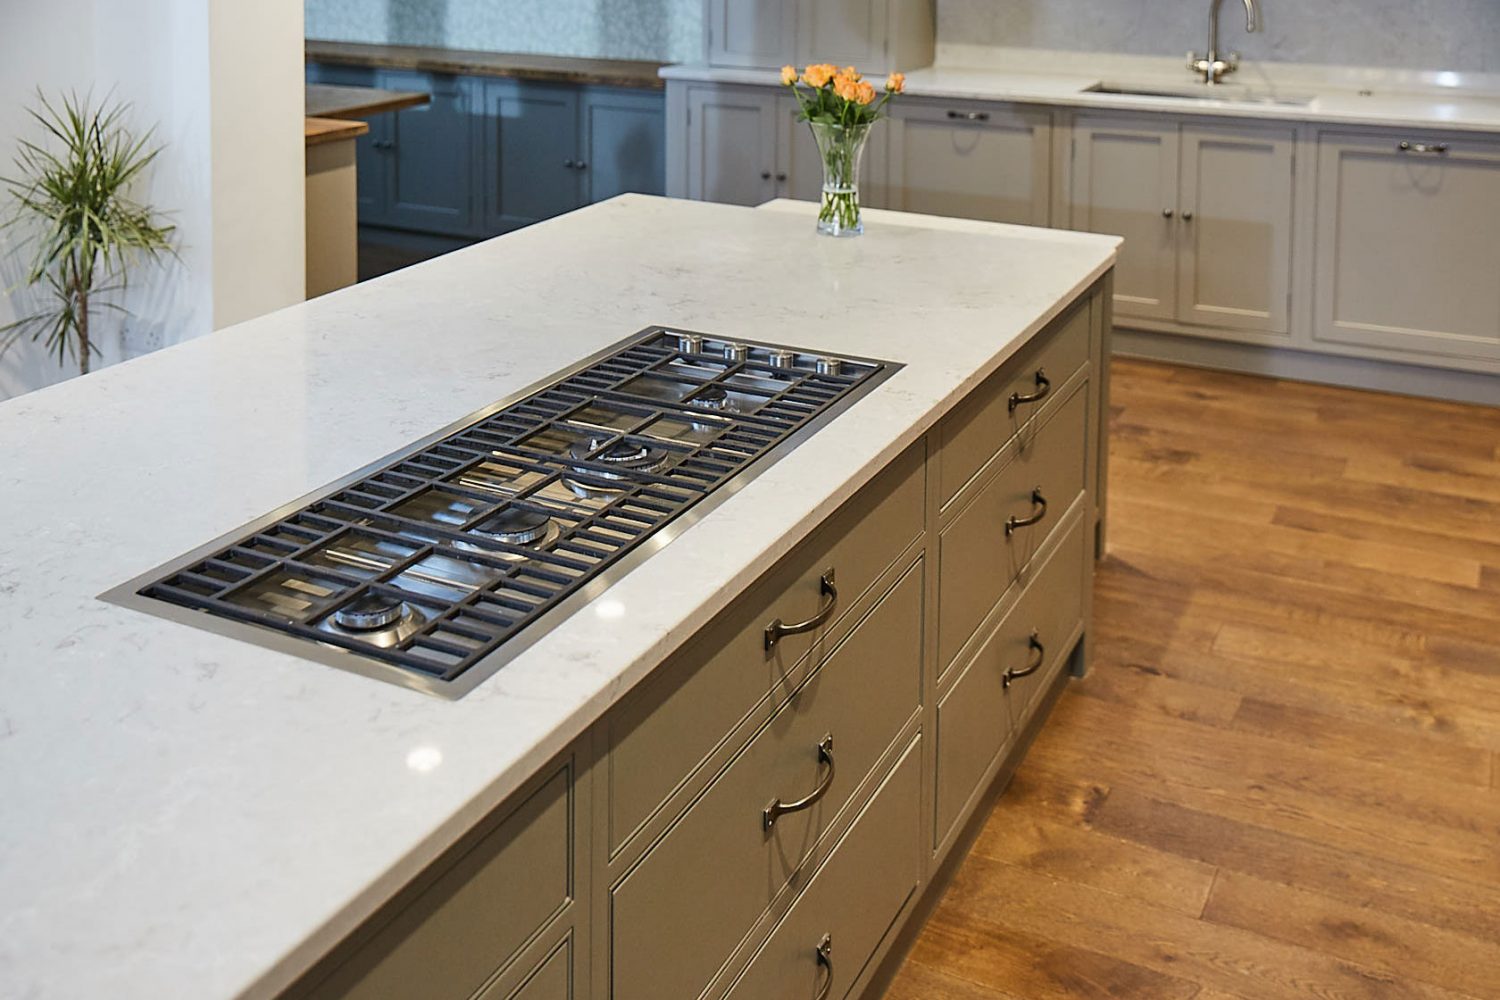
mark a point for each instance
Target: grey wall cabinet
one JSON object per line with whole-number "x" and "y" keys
{"x": 489, "y": 155}
{"x": 1207, "y": 213}
{"x": 1408, "y": 244}
{"x": 876, "y": 35}
{"x": 978, "y": 161}
{"x": 743, "y": 145}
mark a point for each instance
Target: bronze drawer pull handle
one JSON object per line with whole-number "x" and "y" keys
{"x": 825, "y": 959}
{"x": 777, "y": 808}
{"x": 1038, "y": 511}
{"x": 778, "y": 628}
{"x": 1043, "y": 390}
{"x": 1033, "y": 666}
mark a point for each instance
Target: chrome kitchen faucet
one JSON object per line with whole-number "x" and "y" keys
{"x": 1211, "y": 66}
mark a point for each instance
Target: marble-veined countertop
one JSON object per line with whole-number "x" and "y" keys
{"x": 187, "y": 815}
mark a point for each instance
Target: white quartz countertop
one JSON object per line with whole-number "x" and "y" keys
{"x": 187, "y": 815}
{"x": 1346, "y": 98}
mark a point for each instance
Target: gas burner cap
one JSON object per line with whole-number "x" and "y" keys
{"x": 711, "y": 398}
{"x": 370, "y": 613}
{"x": 622, "y": 455}
{"x": 515, "y": 526}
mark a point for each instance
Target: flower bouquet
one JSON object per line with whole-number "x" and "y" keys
{"x": 840, "y": 106}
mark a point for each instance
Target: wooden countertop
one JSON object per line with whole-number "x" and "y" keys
{"x": 325, "y": 100}
{"x": 320, "y": 130}
{"x": 561, "y": 69}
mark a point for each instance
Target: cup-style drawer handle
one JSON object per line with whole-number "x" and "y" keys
{"x": 1043, "y": 388}
{"x": 825, "y": 959}
{"x": 1037, "y": 660}
{"x": 1038, "y": 511}
{"x": 969, "y": 116}
{"x": 1435, "y": 148}
{"x": 778, "y": 808}
{"x": 778, "y": 628}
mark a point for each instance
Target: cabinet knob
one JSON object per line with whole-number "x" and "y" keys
{"x": 568, "y": 164}
{"x": 781, "y": 177}
{"x": 1187, "y": 216}
{"x": 581, "y": 165}
{"x": 1167, "y": 213}
{"x": 765, "y": 175}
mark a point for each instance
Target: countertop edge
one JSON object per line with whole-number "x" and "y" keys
{"x": 502, "y": 65}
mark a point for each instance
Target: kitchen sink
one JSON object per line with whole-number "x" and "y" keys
{"x": 1232, "y": 93}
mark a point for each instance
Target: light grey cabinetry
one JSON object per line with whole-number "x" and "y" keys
{"x": 1408, "y": 245}
{"x": 1207, "y": 213}
{"x": 977, "y": 161}
{"x": 876, "y": 35}
{"x": 743, "y": 145}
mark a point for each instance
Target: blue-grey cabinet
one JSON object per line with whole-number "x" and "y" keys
{"x": 489, "y": 155}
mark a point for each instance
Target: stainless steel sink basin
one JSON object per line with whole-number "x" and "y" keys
{"x": 1232, "y": 93}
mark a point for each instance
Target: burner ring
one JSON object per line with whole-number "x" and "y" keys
{"x": 622, "y": 455}
{"x": 514, "y": 526}
{"x": 370, "y": 613}
{"x": 712, "y": 397}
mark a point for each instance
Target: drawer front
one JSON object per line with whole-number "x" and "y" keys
{"x": 662, "y": 731}
{"x": 682, "y": 910}
{"x": 850, "y": 903}
{"x": 976, "y": 717}
{"x": 978, "y": 559}
{"x": 476, "y": 916}
{"x": 982, "y": 424}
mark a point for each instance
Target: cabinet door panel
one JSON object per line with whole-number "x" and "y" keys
{"x": 799, "y": 171}
{"x": 842, "y": 32}
{"x": 530, "y": 138}
{"x": 623, "y": 144}
{"x": 751, "y": 32}
{"x": 1124, "y": 183}
{"x": 731, "y": 145}
{"x": 432, "y": 160}
{"x": 972, "y": 161}
{"x": 1236, "y": 258}
{"x": 1407, "y": 245}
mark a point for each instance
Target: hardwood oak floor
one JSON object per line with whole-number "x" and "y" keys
{"x": 1282, "y": 777}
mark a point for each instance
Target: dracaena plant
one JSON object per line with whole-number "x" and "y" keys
{"x": 71, "y": 206}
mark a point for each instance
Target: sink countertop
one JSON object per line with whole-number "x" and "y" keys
{"x": 187, "y": 814}
{"x": 1446, "y": 102}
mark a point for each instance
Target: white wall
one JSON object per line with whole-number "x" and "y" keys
{"x": 224, "y": 92}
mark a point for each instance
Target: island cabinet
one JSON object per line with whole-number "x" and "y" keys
{"x": 876, "y": 35}
{"x": 765, "y": 814}
{"x": 1207, "y": 213}
{"x": 1408, "y": 236}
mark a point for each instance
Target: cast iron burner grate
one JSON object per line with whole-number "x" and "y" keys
{"x": 454, "y": 552}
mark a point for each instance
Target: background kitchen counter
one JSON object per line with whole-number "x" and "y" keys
{"x": 183, "y": 808}
{"x": 466, "y": 62}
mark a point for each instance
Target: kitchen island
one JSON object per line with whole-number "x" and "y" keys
{"x": 188, "y": 814}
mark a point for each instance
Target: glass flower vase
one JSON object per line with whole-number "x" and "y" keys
{"x": 841, "y": 148}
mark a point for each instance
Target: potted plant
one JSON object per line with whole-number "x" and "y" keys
{"x": 72, "y": 208}
{"x": 840, "y": 106}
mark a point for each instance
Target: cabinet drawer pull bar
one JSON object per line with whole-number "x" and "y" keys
{"x": 825, "y": 959}
{"x": 1435, "y": 148}
{"x": 1036, "y": 661}
{"x": 1038, "y": 511}
{"x": 969, "y": 116}
{"x": 777, "y": 808}
{"x": 1043, "y": 388}
{"x": 778, "y": 628}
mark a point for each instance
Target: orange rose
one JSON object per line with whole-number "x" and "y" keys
{"x": 846, "y": 88}
{"x": 896, "y": 83}
{"x": 818, "y": 75}
{"x": 865, "y": 92}
{"x": 788, "y": 75}
{"x": 853, "y": 74}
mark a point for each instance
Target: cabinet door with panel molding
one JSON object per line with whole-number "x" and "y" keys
{"x": 976, "y": 161}
{"x": 731, "y": 144}
{"x": 432, "y": 154}
{"x": 1408, "y": 240}
{"x": 531, "y": 153}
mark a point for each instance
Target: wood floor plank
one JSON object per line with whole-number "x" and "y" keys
{"x": 1282, "y": 777}
{"x": 1390, "y": 944}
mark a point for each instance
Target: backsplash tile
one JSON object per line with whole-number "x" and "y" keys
{"x": 661, "y": 30}
{"x": 1410, "y": 34}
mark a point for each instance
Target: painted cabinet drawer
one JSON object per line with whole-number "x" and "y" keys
{"x": 978, "y": 714}
{"x": 980, "y": 426}
{"x": 661, "y": 732}
{"x": 980, "y": 553}
{"x": 476, "y": 915}
{"x": 683, "y": 909}
{"x": 824, "y": 942}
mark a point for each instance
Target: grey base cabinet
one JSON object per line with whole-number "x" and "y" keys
{"x": 489, "y": 155}
{"x": 759, "y": 823}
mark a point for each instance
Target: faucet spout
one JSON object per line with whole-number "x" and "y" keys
{"x": 1212, "y": 66}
